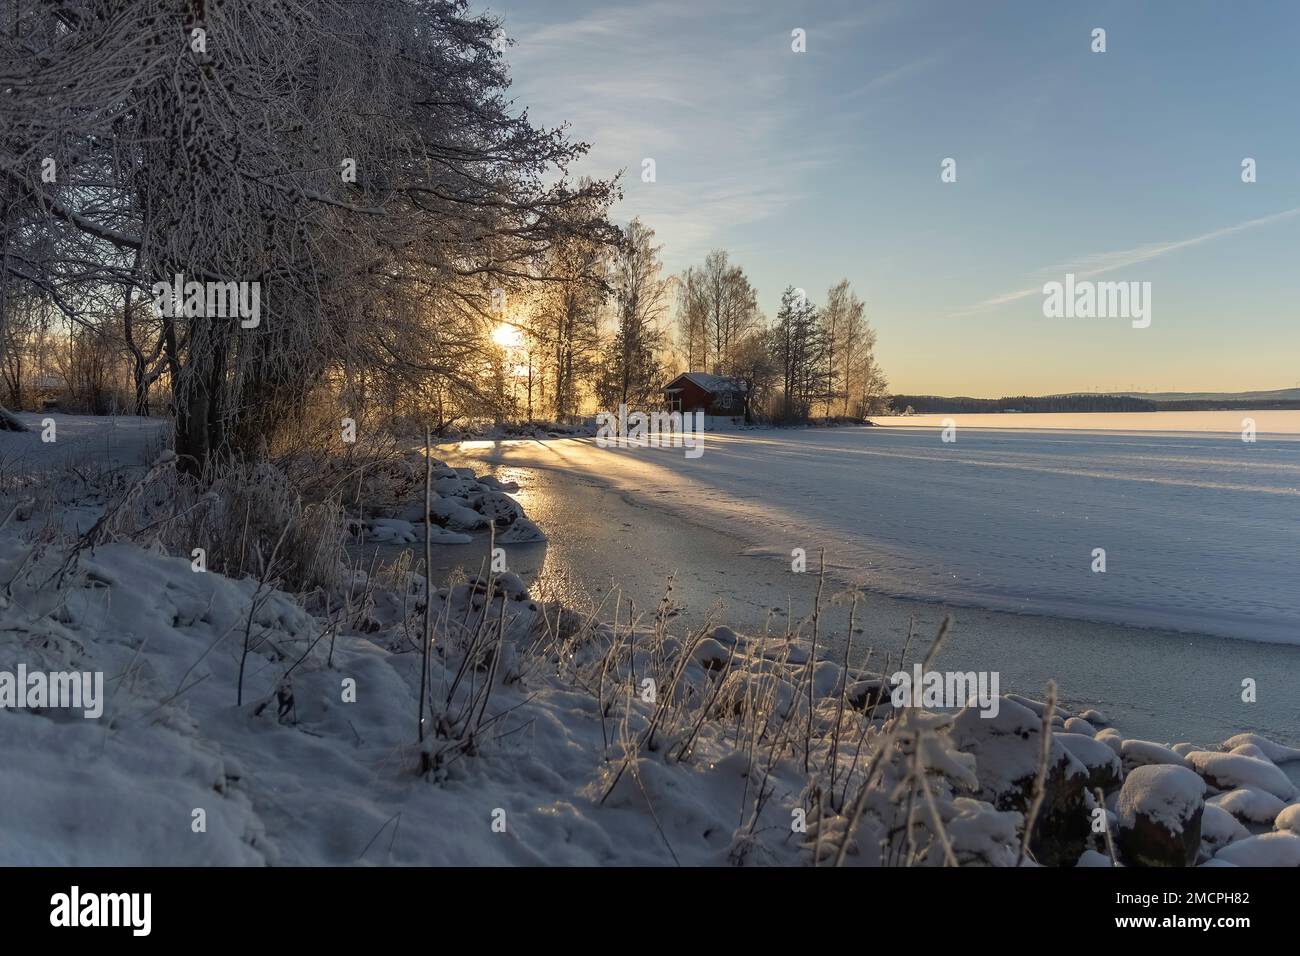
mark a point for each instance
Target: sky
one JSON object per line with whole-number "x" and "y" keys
{"x": 809, "y": 167}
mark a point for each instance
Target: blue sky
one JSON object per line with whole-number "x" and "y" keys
{"x": 811, "y": 167}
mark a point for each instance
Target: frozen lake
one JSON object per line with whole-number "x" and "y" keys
{"x": 1199, "y": 528}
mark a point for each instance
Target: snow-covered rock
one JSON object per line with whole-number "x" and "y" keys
{"x": 1007, "y": 750}
{"x": 1037, "y": 706}
{"x": 1245, "y": 750}
{"x": 456, "y": 487}
{"x": 726, "y": 636}
{"x": 1266, "y": 849}
{"x": 1077, "y": 725}
{"x": 489, "y": 482}
{"x": 442, "y": 536}
{"x": 463, "y": 504}
{"x": 1272, "y": 751}
{"x": 1102, "y": 762}
{"x": 1289, "y": 819}
{"x": 1249, "y": 805}
{"x": 520, "y": 531}
{"x": 1093, "y": 858}
{"x": 1219, "y": 828}
{"x": 1143, "y": 753}
{"x": 391, "y": 530}
{"x": 456, "y": 516}
{"x": 1111, "y": 738}
{"x": 1229, "y": 771}
{"x": 1160, "y": 808}
{"x": 982, "y": 835}
{"x": 711, "y": 655}
{"x": 872, "y": 694}
{"x": 497, "y": 507}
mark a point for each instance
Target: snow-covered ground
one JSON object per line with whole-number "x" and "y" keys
{"x": 1199, "y": 529}
{"x": 237, "y": 724}
{"x": 55, "y": 439}
{"x": 242, "y": 725}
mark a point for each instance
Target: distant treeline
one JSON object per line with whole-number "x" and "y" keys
{"x": 1222, "y": 405}
{"x": 940, "y": 405}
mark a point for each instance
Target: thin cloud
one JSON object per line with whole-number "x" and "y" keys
{"x": 700, "y": 88}
{"x": 1103, "y": 262}
{"x": 891, "y": 77}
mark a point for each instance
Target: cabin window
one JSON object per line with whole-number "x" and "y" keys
{"x": 724, "y": 400}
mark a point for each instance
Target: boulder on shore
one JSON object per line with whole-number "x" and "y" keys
{"x": 1102, "y": 762}
{"x": 1160, "y": 808}
{"x": 1229, "y": 771}
{"x": 1008, "y": 748}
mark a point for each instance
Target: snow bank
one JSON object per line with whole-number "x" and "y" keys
{"x": 540, "y": 745}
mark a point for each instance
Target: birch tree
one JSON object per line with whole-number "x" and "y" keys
{"x": 731, "y": 311}
{"x": 632, "y": 373}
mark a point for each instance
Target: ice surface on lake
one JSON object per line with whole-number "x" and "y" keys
{"x": 1267, "y": 421}
{"x": 1200, "y": 529}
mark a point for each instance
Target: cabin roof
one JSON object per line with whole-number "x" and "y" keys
{"x": 714, "y": 384}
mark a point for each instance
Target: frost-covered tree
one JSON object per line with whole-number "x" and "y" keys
{"x": 854, "y": 382}
{"x": 632, "y": 372}
{"x": 565, "y": 318}
{"x": 730, "y": 308}
{"x": 693, "y": 337}
{"x": 755, "y": 365}
{"x": 359, "y": 163}
{"x": 798, "y": 350}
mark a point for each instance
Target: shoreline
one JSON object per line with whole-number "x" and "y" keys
{"x": 1111, "y": 666}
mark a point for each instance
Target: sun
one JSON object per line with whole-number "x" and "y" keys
{"x": 507, "y": 336}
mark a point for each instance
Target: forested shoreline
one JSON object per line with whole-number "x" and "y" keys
{"x": 941, "y": 405}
